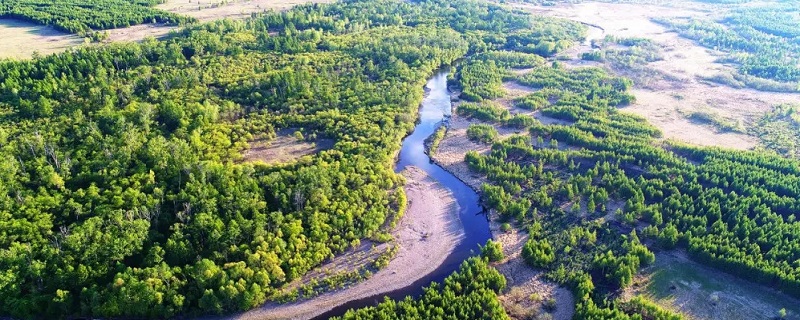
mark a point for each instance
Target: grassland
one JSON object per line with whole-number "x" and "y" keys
{"x": 21, "y": 39}
{"x": 704, "y": 293}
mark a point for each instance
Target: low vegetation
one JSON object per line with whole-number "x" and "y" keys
{"x": 758, "y": 39}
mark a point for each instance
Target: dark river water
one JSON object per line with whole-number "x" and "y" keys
{"x": 434, "y": 107}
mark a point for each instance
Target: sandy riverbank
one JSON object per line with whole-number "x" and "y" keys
{"x": 522, "y": 280}
{"x": 426, "y": 234}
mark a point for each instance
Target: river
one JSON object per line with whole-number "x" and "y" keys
{"x": 434, "y": 108}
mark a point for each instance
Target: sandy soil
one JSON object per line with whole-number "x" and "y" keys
{"x": 426, "y": 235}
{"x": 666, "y": 100}
{"x": 139, "y": 32}
{"x": 206, "y": 10}
{"x": 21, "y": 39}
{"x": 526, "y": 289}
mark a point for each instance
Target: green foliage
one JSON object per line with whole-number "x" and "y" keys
{"x": 759, "y": 39}
{"x": 484, "y": 111}
{"x": 538, "y": 253}
{"x": 493, "y": 251}
{"x": 470, "y": 293}
{"x": 779, "y": 130}
{"x": 726, "y": 208}
{"x": 482, "y": 133}
{"x": 125, "y": 190}
{"x": 436, "y": 138}
{"x": 83, "y": 16}
{"x": 720, "y": 123}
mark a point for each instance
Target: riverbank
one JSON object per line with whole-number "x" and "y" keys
{"x": 426, "y": 235}
{"x": 526, "y": 290}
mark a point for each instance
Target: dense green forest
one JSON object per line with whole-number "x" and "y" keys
{"x": 470, "y": 293}
{"x": 84, "y": 16}
{"x": 124, "y": 192}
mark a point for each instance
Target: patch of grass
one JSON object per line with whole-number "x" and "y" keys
{"x": 722, "y": 124}
{"x": 779, "y": 130}
{"x": 704, "y": 293}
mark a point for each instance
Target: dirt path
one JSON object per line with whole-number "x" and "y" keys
{"x": 427, "y": 233}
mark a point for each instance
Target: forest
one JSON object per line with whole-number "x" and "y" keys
{"x": 125, "y": 193}
{"x": 85, "y": 16}
{"x": 470, "y": 293}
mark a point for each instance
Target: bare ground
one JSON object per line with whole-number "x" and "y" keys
{"x": 527, "y": 290}
{"x": 21, "y": 39}
{"x": 285, "y": 147}
{"x": 700, "y": 292}
{"x": 139, "y": 32}
{"x": 426, "y": 235}
{"x": 665, "y": 100}
{"x": 207, "y": 10}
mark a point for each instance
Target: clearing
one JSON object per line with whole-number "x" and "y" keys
{"x": 680, "y": 90}
{"x": 680, "y": 284}
{"x": 207, "y": 10}
{"x": 287, "y": 146}
{"x": 21, "y": 39}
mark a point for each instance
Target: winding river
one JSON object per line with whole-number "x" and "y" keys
{"x": 434, "y": 108}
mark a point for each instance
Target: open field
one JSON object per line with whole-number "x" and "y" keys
{"x": 703, "y": 293}
{"x": 207, "y": 10}
{"x": 425, "y": 235}
{"x": 21, "y": 39}
{"x": 285, "y": 147}
{"x": 140, "y": 32}
{"x": 673, "y": 87}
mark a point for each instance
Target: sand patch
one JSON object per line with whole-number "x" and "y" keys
{"x": 285, "y": 147}
{"x": 426, "y": 235}
{"x": 527, "y": 292}
{"x": 21, "y": 39}
{"x": 670, "y": 89}
{"x": 139, "y": 32}
{"x": 207, "y": 10}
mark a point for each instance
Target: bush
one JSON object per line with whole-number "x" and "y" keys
{"x": 493, "y": 251}
{"x": 482, "y": 133}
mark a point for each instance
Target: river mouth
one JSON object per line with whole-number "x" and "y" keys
{"x": 435, "y": 107}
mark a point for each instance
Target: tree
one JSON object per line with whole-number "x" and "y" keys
{"x": 493, "y": 251}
